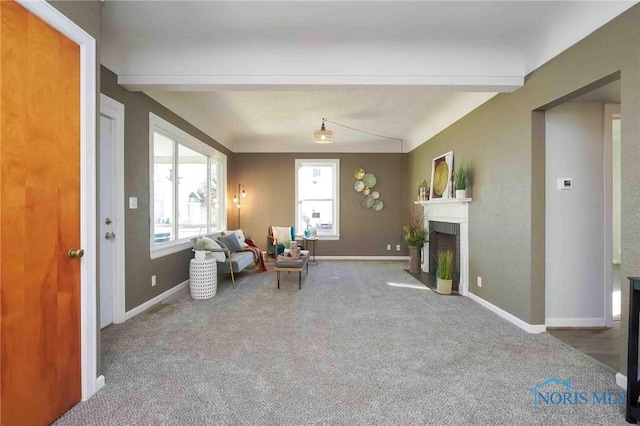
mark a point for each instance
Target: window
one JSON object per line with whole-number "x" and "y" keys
{"x": 317, "y": 197}
{"x": 187, "y": 188}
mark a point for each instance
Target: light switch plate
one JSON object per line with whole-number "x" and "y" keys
{"x": 133, "y": 202}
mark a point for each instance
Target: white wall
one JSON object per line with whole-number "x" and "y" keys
{"x": 574, "y": 273}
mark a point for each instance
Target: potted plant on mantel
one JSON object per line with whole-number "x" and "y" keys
{"x": 461, "y": 182}
{"x": 444, "y": 261}
{"x": 415, "y": 236}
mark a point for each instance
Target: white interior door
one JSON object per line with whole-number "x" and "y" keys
{"x": 111, "y": 210}
{"x": 107, "y": 127}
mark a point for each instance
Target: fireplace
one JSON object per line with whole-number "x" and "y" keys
{"x": 447, "y": 221}
{"x": 445, "y": 236}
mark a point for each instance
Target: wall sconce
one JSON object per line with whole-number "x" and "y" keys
{"x": 236, "y": 200}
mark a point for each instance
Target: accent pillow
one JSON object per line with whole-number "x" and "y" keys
{"x": 231, "y": 242}
{"x": 217, "y": 255}
{"x": 206, "y": 243}
{"x": 240, "y": 235}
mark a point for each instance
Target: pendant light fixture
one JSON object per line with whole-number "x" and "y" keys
{"x": 323, "y": 135}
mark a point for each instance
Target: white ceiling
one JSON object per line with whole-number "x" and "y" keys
{"x": 260, "y": 76}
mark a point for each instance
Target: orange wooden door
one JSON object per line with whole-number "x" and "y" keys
{"x": 39, "y": 219}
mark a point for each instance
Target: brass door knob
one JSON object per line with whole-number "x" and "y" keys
{"x": 75, "y": 253}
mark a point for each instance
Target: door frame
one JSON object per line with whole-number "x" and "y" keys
{"x": 114, "y": 110}
{"x": 88, "y": 309}
{"x": 610, "y": 112}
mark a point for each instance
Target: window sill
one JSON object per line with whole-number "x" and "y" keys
{"x": 158, "y": 251}
{"x": 329, "y": 237}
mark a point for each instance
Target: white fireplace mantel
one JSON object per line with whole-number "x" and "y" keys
{"x": 452, "y": 211}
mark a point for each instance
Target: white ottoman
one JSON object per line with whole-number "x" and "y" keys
{"x": 203, "y": 278}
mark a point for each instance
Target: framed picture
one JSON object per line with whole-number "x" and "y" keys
{"x": 441, "y": 168}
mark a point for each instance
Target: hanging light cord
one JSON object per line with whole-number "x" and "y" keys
{"x": 361, "y": 131}
{"x": 386, "y": 137}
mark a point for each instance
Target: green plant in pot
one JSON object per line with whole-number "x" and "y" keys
{"x": 461, "y": 180}
{"x": 444, "y": 260}
{"x": 415, "y": 235}
{"x": 199, "y": 248}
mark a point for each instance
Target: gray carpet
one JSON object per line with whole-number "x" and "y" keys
{"x": 361, "y": 343}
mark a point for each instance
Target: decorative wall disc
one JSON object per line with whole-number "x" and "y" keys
{"x": 366, "y": 190}
{"x": 366, "y": 201}
{"x": 369, "y": 180}
{"x": 358, "y": 173}
{"x": 375, "y": 195}
{"x": 358, "y": 186}
{"x": 378, "y": 205}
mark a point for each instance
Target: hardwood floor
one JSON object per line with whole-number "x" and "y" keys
{"x": 603, "y": 344}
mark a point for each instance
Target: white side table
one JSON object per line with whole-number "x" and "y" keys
{"x": 307, "y": 246}
{"x": 203, "y": 278}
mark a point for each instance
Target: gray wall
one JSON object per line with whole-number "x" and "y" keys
{"x": 169, "y": 270}
{"x": 269, "y": 180}
{"x": 86, "y": 14}
{"x": 502, "y": 145}
{"x": 575, "y": 287}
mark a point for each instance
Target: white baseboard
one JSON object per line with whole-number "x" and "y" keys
{"x": 99, "y": 383}
{"x": 575, "y": 322}
{"x": 362, "y": 258}
{"x": 529, "y": 328}
{"x": 621, "y": 380}
{"x": 159, "y": 298}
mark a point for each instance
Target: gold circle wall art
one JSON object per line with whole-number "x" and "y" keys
{"x": 365, "y": 181}
{"x": 441, "y": 178}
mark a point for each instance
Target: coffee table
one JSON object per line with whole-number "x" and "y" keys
{"x": 292, "y": 265}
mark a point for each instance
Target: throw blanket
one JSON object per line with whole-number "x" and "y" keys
{"x": 257, "y": 255}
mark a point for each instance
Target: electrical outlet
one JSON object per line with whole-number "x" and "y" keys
{"x": 389, "y": 247}
{"x": 397, "y": 247}
{"x": 479, "y": 281}
{"x": 153, "y": 280}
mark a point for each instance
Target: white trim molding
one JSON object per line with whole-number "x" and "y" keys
{"x": 88, "y": 314}
{"x": 114, "y": 110}
{"x": 362, "y": 258}
{"x": 576, "y": 322}
{"x": 529, "y": 328}
{"x": 99, "y": 383}
{"x": 159, "y": 298}
{"x": 621, "y": 380}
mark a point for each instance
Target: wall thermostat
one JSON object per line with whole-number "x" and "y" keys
{"x": 565, "y": 183}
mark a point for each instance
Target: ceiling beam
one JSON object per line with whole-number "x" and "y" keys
{"x": 181, "y": 83}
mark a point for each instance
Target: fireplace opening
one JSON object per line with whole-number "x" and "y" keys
{"x": 445, "y": 236}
